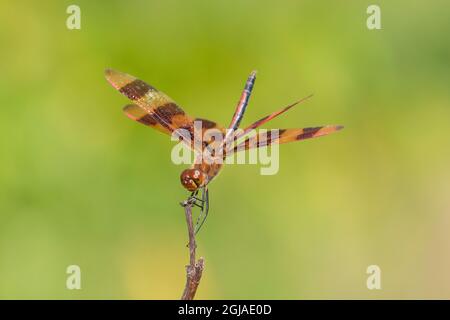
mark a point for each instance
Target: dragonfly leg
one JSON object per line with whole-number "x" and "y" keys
{"x": 204, "y": 210}
{"x": 196, "y": 201}
{"x": 202, "y": 203}
{"x": 191, "y": 199}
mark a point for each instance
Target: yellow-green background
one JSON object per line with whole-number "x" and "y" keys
{"x": 81, "y": 184}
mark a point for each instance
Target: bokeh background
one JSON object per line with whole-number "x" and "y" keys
{"x": 81, "y": 184}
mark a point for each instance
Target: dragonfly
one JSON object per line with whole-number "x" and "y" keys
{"x": 155, "y": 109}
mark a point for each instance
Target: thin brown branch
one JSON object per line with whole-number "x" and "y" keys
{"x": 195, "y": 268}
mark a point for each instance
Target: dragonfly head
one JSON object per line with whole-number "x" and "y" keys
{"x": 192, "y": 179}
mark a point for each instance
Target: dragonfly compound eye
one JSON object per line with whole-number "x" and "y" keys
{"x": 191, "y": 179}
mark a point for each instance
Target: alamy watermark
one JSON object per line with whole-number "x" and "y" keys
{"x": 214, "y": 146}
{"x": 73, "y": 281}
{"x": 73, "y": 21}
{"x": 373, "y": 21}
{"x": 373, "y": 281}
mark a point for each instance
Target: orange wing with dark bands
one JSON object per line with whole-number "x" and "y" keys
{"x": 154, "y": 108}
{"x": 283, "y": 136}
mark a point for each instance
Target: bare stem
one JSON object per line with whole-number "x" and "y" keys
{"x": 195, "y": 268}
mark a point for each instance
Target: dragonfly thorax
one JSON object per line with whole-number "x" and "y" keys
{"x": 192, "y": 179}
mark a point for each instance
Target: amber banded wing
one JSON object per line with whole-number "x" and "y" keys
{"x": 153, "y": 108}
{"x": 260, "y": 122}
{"x": 283, "y": 136}
{"x": 266, "y": 119}
{"x": 136, "y": 113}
{"x": 154, "y": 102}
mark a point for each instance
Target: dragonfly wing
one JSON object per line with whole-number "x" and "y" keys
{"x": 283, "y": 136}
{"x": 156, "y": 103}
{"x": 155, "y": 109}
{"x": 136, "y": 113}
{"x": 271, "y": 116}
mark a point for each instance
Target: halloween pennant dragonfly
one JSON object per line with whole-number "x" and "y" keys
{"x": 153, "y": 108}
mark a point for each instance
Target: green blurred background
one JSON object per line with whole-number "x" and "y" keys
{"x": 81, "y": 184}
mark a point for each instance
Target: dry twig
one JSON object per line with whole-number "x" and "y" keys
{"x": 195, "y": 268}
